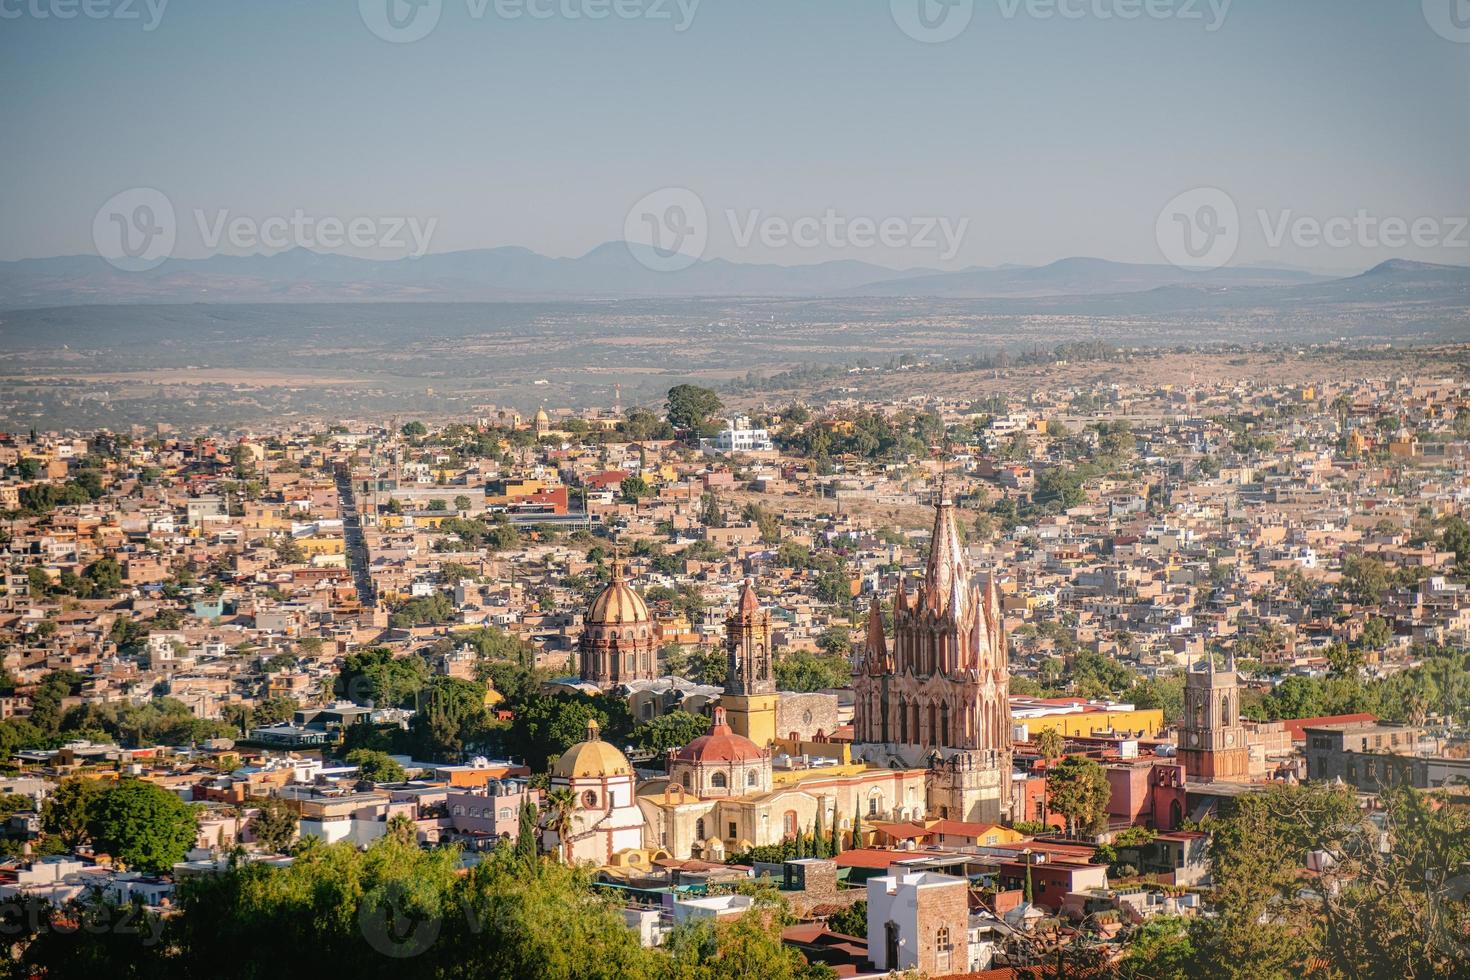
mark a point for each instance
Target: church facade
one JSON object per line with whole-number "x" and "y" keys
{"x": 937, "y": 696}
{"x": 1213, "y": 743}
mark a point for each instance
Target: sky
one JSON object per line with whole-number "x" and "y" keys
{"x": 1042, "y": 129}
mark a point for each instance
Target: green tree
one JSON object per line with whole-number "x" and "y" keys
{"x": 451, "y": 719}
{"x": 274, "y": 825}
{"x": 1078, "y": 788}
{"x": 67, "y": 812}
{"x": 805, "y": 671}
{"x": 634, "y": 488}
{"x": 670, "y": 731}
{"x": 377, "y": 767}
{"x": 560, "y": 805}
{"x": 143, "y": 824}
{"x": 526, "y": 832}
{"x": 690, "y": 407}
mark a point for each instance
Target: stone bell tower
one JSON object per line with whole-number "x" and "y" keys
{"x": 750, "y": 686}
{"x": 1212, "y": 743}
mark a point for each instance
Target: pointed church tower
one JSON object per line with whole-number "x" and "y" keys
{"x": 938, "y": 695}
{"x": 750, "y": 682}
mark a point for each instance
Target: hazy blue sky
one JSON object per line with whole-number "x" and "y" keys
{"x": 1051, "y": 136}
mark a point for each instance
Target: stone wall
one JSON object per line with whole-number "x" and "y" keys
{"x": 806, "y": 715}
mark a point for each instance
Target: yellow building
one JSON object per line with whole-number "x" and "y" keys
{"x": 750, "y": 686}
{"x": 1082, "y": 720}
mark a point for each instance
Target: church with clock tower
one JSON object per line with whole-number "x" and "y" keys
{"x": 1212, "y": 741}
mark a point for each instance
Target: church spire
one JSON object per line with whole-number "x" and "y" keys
{"x": 946, "y": 579}
{"x": 877, "y": 643}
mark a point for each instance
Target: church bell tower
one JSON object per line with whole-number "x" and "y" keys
{"x": 750, "y": 687}
{"x": 1212, "y": 741}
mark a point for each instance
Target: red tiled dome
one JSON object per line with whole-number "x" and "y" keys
{"x": 720, "y": 745}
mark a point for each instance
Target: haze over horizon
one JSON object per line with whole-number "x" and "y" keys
{"x": 1035, "y": 137}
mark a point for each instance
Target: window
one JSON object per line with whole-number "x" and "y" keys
{"x": 718, "y": 780}
{"x": 699, "y": 829}
{"x": 734, "y": 831}
{"x": 589, "y": 799}
{"x": 788, "y": 823}
{"x": 872, "y": 806}
{"x": 505, "y": 813}
{"x": 752, "y": 778}
{"x": 943, "y": 950}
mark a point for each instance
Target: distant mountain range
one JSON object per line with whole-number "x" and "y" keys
{"x": 613, "y": 271}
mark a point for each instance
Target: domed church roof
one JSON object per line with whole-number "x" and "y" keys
{"x": 593, "y": 758}
{"x": 617, "y": 604}
{"x": 720, "y": 745}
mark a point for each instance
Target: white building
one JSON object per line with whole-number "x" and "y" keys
{"x": 606, "y": 819}
{"x": 919, "y": 921}
{"x": 739, "y": 437}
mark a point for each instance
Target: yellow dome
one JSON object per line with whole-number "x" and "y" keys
{"x": 541, "y": 415}
{"x": 593, "y": 758}
{"x": 617, "y": 604}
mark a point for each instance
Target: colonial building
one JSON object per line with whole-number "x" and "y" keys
{"x": 605, "y": 817}
{"x": 939, "y": 696}
{"x": 721, "y": 763}
{"x": 750, "y": 697}
{"x": 618, "y": 643}
{"x": 1212, "y": 741}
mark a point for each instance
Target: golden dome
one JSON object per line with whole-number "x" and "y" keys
{"x": 617, "y": 604}
{"x": 541, "y": 415}
{"x": 593, "y": 758}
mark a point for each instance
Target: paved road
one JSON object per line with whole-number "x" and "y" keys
{"x": 357, "y": 553}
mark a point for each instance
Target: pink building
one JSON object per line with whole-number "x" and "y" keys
{"x": 480, "y": 817}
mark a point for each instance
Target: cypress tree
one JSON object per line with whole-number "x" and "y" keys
{"x": 526, "y": 833}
